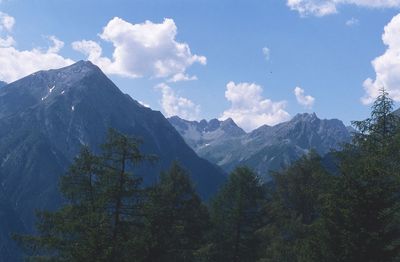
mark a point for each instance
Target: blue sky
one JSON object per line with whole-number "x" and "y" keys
{"x": 322, "y": 47}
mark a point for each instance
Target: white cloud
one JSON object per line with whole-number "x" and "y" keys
{"x": 387, "y": 66}
{"x": 142, "y": 50}
{"x": 312, "y": 7}
{"x": 93, "y": 51}
{"x": 6, "y": 22}
{"x": 328, "y": 7}
{"x": 182, "y": 77}
{"x": 15, "y": 63}
{"x": 7, "y": 41}
{"x": 57, "y": 45}
{"x": 249, "y": 109}
{"x": 6, "y": 25}
{"x": 175, "y": 105}
{"x": 266, "y": 52}
{"x": 147, "y": 49}
{"x": 304, "y": 100}
{"x": 352, "y": 22}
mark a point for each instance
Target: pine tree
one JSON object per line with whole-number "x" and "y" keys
{"x": 175, "y": 218}
{"x": 236, "y": 215}
{"x": 101, "y": 215}
{"x": 292, "y": 231}
{"x": 362, "y": 214}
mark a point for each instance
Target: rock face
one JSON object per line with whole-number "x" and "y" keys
{"x": 46, "y": 117}
{"x": 268, "y": 147}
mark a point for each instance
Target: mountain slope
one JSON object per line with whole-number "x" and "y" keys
{"x": 9, "y": 224}
{"x": 46, "y": 117}
{"x": 272, "y": 147}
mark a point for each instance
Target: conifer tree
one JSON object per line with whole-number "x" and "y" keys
{"x": 236, "y": 214}
{"x": 101, "y": 217}
{"x": 175, "y": 218}
{"x": 362, "y": 214}
{"x": 293, "y": 228}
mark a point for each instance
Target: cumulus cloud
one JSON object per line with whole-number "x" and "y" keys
{"x": 6, "y": 22}
{"x": 249, "y": 109}
{"x": 15, "y": 63}
{"x": 7, "y": 41}
{"x": 266, "y": 52}
{"x": 328, "y": 7}
{"x": 304, "y": 100}
{"x": 386, "y": 66}
{"x": 182, "y": 77}
{"x": 352, "y": 22}
{"x": 93, "y": 51}
{"x": 6, "y": 25}
{"x": 57, "y": 45}
{"x": 142, "y": 50}
{"x": 175, "y": 105}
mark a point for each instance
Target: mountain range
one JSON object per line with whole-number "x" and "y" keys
{"x": 45, "y": 119}
{"x": 265, "y": 149}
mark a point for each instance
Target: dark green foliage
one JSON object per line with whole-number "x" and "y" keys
{"x": 109, "y": 216}
{"x": 175, "y": 219}
{"x": 101, "y": 216}
{"x": 293, "y": 229}
{"x": 236, "y": 214}
{"x": 362, "y": 212}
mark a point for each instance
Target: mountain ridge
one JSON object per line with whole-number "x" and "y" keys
{"x": 199, "y": 133}
{"x": 268, "y": 148}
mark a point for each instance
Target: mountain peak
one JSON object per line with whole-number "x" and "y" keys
{"x": 229, "y": 121}
{"x": 84, "y": 64}
{"x": 69, "y": 83}
{"x": 305, "y": 117}
{"x": 79, "y": 68}
{"x": 205, "y": 132}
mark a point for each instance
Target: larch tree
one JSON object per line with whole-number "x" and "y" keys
{"x": 101, "y": 216}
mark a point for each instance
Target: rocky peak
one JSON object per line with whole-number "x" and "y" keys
{"x": 205, "y": 132}
{"x": 305, "y": 117}
{"x": 229, "y": 126}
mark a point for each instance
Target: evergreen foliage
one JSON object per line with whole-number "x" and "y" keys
{"x": 363, "y": 212}
{"x": 101, "y": 217}
{"x": 294, "y": 228}
{"x": 236, "y": 214}
{"x": 175, "y": 218}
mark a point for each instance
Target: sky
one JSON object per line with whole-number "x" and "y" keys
{"x": 256, "y": 61}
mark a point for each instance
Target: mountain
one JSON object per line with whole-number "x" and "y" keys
{"x": 266, "y": 148}
{"x": 46, "y": 117}
{"x": 200, "y": 134}
{"x": 9, "y": 223}
{"x": 2, "y": 84}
